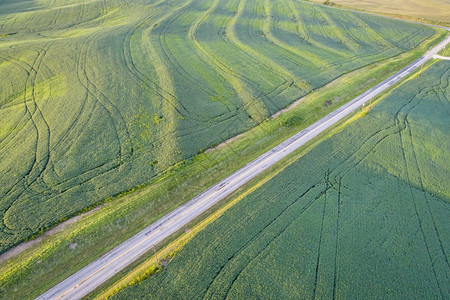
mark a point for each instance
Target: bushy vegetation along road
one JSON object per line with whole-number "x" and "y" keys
{"x": 97, "y": 97}
{"x": 364, "y": 214}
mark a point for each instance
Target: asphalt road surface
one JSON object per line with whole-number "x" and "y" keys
{"x": 97, "y": 272}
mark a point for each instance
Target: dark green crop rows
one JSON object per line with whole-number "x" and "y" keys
{"x": 97, "y": 97}
{"x": 363, "y": 215}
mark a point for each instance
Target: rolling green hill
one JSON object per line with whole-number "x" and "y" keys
{"x": 362, "y": 215}
{"x": 97, "y": 97}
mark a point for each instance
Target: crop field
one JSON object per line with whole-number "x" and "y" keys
{"x": 97, "y": 97}
{"x": 362, "y": 215}
{"x": 429, "y": 10}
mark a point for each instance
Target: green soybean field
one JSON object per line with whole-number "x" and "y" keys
{"x": 99, "y": 96}
{"x": 362, "y": 215}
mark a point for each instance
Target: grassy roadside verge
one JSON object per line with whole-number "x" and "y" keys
{"x": 152, "y": 264}
{"x": 59, "y": 255}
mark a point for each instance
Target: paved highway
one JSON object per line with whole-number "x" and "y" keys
{"x": 96, "y": 273}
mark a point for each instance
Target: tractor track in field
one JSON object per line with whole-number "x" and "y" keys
{"x": 46, "y": 134}
{"x": 70, "y": 129}
{"x": 278, "y": 40}
{"x": 443, "y": 96}
{"x": 224, "y": 69}
{"x": 205, "y": 57}
{"x": 374, "y": 35}
{"x": 283, "y": 230}
{"x": 349, "y": 58}
{"x": 405, "y": 135}
{"x": 33, "y": 110}
{"x": 125, "y": 150}
{"x": 419, "y": 219}
{"x": 416, "y": 164}
{"x": 288, "y": 81}
{"x": 283, "y": 73}
{"x": 268, "y": 33}
{"x": 302, "y": 31}
{"x": 165, "y": 95}
{"x": 6, "y": 140}
{"x": 46, "y": 159}
{"x": 378, "y": 136}
{"x": 256, "y": 57}
{"x": 344, "y": 37}
{"x": 240, "y": 80}
{"x": 131, "y": 66}
{"x": 336, "y": 249}
{"x": 117, "y": 120}
{"x": 271, "y": 31}
{"x": 261, "y": 231}
{"x": 85, "y": 83}
{"x": 170, "y": 57}
{"x": 221, "y": 68}
{"x": 316, "y": 274}
{"x": 349, "y": 35}
{"x": 167, "y": 143}
{"x": 31, "y": 18}
{"x": 12, "y": 195}
{"x": 90, "y": 177}
{"x": 55, "y": 17}
{"x": 229, "y": 36}
{"x": 103, "y": 104}
{"x": 306, "y": 36}
{"x": 425, "y": 195}
{"x": 167, "y": 55}
{"x": 80, "y": 16}
{"x": 18, "y": 63}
